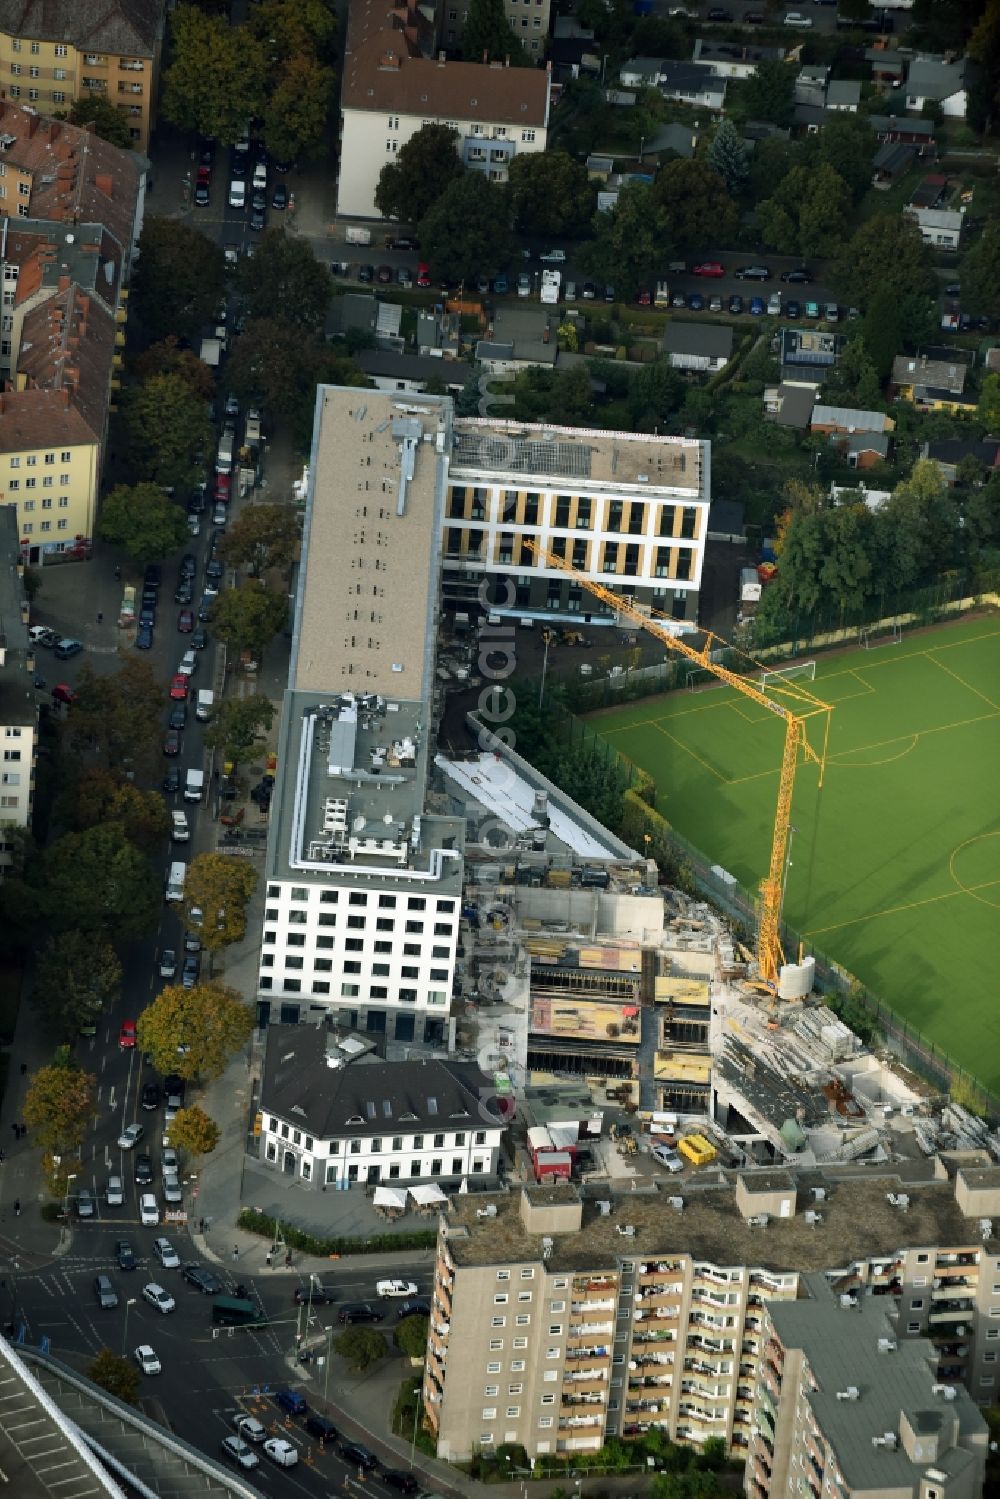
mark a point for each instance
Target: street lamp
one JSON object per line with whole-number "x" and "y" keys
{"x": 130, "y": 1302}
{"x": 70, "y": 1179}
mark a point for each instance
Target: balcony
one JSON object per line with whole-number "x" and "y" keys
{"x": 131, "y": 65}
{"x": 130, "y": 88}
{"x": 579, "y": 1308}
{"x": 659, "y": 1267}
{"x": 952, "y": 1285}
{"x": 96, "y": 85}
{"x": 591, "y": 1329}
{"x": 95, "y": 59}
{"x": 942, "y": 1314}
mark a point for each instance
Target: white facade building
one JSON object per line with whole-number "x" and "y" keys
{"x": 396, "y": 1123}
{"x": 626, "y": 509}
{"x": 363, "y": 887}
{"x": 389, "y": 92}
{"x": 18, "y": 699}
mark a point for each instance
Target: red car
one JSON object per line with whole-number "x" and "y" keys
{"x": 204, "y": 176}
{"x": 644, "y": 299}
{"x": 185, "y": 621}
{"x": 179, "y": 687}
{"x": 423, "y": 274}
{"x": 126, "y": 1036}
{"x": 708, "y": 268}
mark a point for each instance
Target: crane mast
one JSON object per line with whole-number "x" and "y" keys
{"x": 789, "y": 701}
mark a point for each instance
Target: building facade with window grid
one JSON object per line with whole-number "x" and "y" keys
{"x": 624, "y": 509}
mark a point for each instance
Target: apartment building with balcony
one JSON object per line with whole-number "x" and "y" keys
{"x": 844, "y": 1407}
{"x": 18, "y": 698}
{"x": 390, "y": 90}
{"x": 625, "y": 509}
{"x": 363, "y": 884}
{"x": 529, "y": 21}
{"x": 65, "y": 257}
{"x": 53, "y": 52}
{"x": 557, "y": 1322}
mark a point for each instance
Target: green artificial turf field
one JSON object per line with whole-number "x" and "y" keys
{"x": 895, "y": 864}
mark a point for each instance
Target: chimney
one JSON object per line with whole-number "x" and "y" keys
{"x": 33, "y": 123}
{"x": 54, "y": 128}
{"x": 64, "y": 283}
{"x": 105, "y": 183}
{"x": 64, "y": 396}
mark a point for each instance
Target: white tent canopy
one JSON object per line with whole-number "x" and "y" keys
{"x": 426, "y": 1196}
{"x": 388, "y": 1197}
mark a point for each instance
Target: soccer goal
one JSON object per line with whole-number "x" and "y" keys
{"x": 796, "y": 671}
{"x": 869, "y": 638}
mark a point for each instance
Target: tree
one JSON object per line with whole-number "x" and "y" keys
{"x": 98, "y": 881}
{"x": 551, "y": 194}
{"x": 117, "y": 1375}
{"x": 96, "y": 795}
{"x": 179, "y": 279}
{"x": 168, "y": 358}
{"x": 168, "y": 433}
{"x": 467, "y": 233}
{"x": 361, "y": 1347}
{"x": 217, "y": 79}
{"x": 143, "y": 520}
{"x": 248, "y": 618}
{"x": 58, "y": 1106}
{"x": 194, "y": 1132}
{"x": 854, "y": 379}
{"x": 237, "y": 726}
{"x": 981, "y": 274}
{"x": 487, "y": 36}
{"x": 699, "y": 209}
{"x": 855, "y": 10}
{"x": 655, "y": 392}
{"x": 424, "y": 166}
{"x": 886, "y": 251}
{"x": 210, "y": 1020}
{"x": 295, "y": 117}
{"x": 294, "y": 27}
{"x": 285, "y": 281}
{"x": 219, "y": 889}
{"x": 882, "y": 330}
{"x": 630, "y": 240}
{"x": 918, "y": 526}
{"x": 769, "y": 93}
{"x": 117, "y": 716}
{"x": 727, "y": 155}
{"x": 844, "y": 144}
{"x": 772, "y": 160}
{"x": 411, "y": 1336}
{"x": 808, "y": 213}
{"x": 78, "y": 974}
{"x": 263, "y": 536}
{"x": 988, "y": 408}
{"x": 984, "y": 49}
{"x": 108, "y": 122}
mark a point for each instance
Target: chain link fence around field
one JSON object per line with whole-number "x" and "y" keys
{"x": 722, "y": 889}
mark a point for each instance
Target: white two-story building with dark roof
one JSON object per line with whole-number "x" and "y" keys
{"x": 330, "y": 1122}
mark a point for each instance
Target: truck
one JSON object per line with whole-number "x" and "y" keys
{"x": 551, "y": 282}
{"x": 211, "y": 352}
{"x": 252, "y": 436}
{"x": 750, "y": 586}
{"x": 204, "y": 705}
{"x": 358, "y": 236}
{"x": 194, "y": 785}
{"x": 224, "y": 457}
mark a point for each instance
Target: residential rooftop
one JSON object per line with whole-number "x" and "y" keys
{"x": 128, "y": 28}
{"x": 858, "y": 1223}
{"x": 547, "y": 454}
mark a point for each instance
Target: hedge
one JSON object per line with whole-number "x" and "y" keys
{"x": 296, "y": 1238}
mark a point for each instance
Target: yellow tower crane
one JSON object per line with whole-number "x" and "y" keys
{"x": 789, "y": 701}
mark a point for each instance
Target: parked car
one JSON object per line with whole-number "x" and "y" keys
{"x": 715, "y": 304}
{"x": 177, "y": 717}
{"x": 144, "y": 1168}
{"x": 553, "y": 257}
{"x": 696, "y": 301}
{"x": 171, "y": 781}
{"x": 800, "y": 275}
{"x": 757, "y": 306}
{"x": 812, "y": 309}
{"x": 42, "y": 635}
{"x": 736, "y": 304}
{"x": 149, "y": 1213}
{"x": 413, "y": 1306}
{"x": 209, "y": 1284}
{"x": 708, "y": 267}
{"x": 158, "y": 1297}
{"x": 524, "y": 284}
{"x": 184, "y": 592}
{"x": 199, "y": 638}
{"x": 126, "y": 1036}
{"x": 753, "y": 273}
{"x": 423, "y": 274}
{"x": 402, "y": 1482}
{"x": 171, "y": 1187}
{"x": 178, "y": 686}
{"x": 383, "y": 275}
{"x": 171, "y": 743}
{"x": 290, "y": 1401}
{"x": 130, "y": 1136}
{"x": 792, "y": 308}
{"x": 104, "y": 1290}
{"x": 281, "y": 1452}
{"x": 185, "y": 622}
{"x": 125, "y": 1255}
{"x": 589, "y": 291}
{"x": 319, "y": 1427}
{"x": 239, "y": 1453}
{"x": 147, "y": 1359}
{"x": 366, "y": 274}
{"x": 359, "y": 1312}
{"x": 501, "y": 285}
{"x": 391, "y": 1288}
{"x": 257, "y": 219}
{"x": 114, "y": 1192}
{"x": 144, "y": 637}
{"x": 249, "y": 1427}
{"x": 358, "y": 1456}
{"x": 279, "y": 198}
{"x": 166, "y": 1254}
{"x": 191, "y": 971}
{"x": 151, "y": 1091}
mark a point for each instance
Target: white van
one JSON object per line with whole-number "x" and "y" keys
{"x": 175, "y": 881}
{"x": 205, "y": 704}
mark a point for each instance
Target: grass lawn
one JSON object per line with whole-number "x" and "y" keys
{"x": 895, "y": 866}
